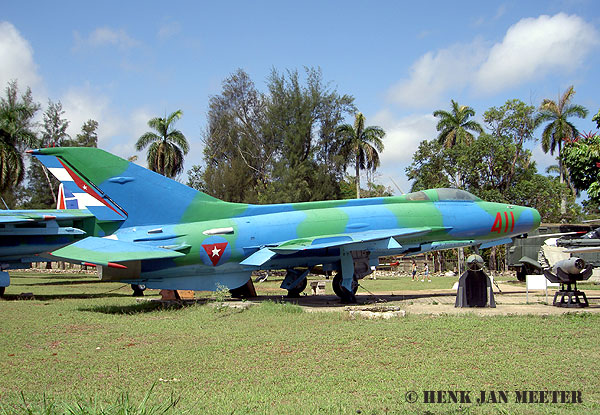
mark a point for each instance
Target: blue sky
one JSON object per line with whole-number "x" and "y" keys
{"x": 122, "y": 63}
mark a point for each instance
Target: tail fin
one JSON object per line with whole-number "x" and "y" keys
{"x": 114, "y": 189}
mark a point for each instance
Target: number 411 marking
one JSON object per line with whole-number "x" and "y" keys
{"x": 498, "y": 222}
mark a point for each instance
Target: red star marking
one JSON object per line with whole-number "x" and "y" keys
{"x": 215, "y": 251}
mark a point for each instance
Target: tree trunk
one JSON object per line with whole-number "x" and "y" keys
{"x": 50, "y": 184}
{"x": 492, "y": 262}
{"x": 563, "y": 197}
{"x": 357, "y": 179}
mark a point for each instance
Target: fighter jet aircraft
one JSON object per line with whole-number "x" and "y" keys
{"x": 26, "y": 233}
{"x": 170, "y": 236}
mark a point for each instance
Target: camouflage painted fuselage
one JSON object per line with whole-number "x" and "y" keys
{"x": 170, "y": 236}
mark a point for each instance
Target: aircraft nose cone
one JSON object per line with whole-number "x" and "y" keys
{"x": 536, "y": 218}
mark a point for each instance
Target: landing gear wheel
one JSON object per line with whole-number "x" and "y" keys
{"x": 341, "y": 291}
{"x": 2, "y": 291}
{"x": 297, "y": 290}
{"x": 244, "y": 291}
{"x": 138, "y": 290}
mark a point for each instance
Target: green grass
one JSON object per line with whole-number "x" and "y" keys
{"x": 90, "y": 345}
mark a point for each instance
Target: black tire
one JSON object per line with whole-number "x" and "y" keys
{"x": 347, "y": 297}
{"x": 244, "y": 291}
{"x": 138, "y": 290}
{"x": 341, "y": 291}
{"x": 2, "y": 291}
{"x": 297, "y": 290}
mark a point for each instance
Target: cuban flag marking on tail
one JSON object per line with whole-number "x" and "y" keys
{"x": 66, "y": 199}
{"x": 75, "y": 193}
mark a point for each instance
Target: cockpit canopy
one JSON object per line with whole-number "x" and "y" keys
{"x": 441, "y": 194}
{"x": 455, "y": 194}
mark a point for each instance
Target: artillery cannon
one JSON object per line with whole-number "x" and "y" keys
{"x": 567, "y": 272}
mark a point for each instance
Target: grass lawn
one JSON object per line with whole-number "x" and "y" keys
{"x": 91, "y": 348}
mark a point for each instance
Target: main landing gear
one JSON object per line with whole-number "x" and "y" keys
{"x": 352, "y": 266}
{"x": 295, "y": 281}
{"x": 138, "y": 290}
{"x": 346, "y": 296}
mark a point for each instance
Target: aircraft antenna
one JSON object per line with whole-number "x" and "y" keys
{"x": 397, "y": 187}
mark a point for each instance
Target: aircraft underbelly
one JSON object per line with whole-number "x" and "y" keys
{"x": 189, "y": 278}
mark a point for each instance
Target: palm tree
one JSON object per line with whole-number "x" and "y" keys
{"x": 167, "y": 148}
{"x": 455, "y": 127}
{"x": 361, "y": 145}
{"x": 16, "y": 133}
{"x": 559, "y": 128}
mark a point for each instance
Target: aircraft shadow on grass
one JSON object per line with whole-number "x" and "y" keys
{"x": 57, "y": 283}
{"x": 321, "y": 301}
{"x": 61, "y": 296}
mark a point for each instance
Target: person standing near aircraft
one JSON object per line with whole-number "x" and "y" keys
{"x": 426, "y": 272}
{"x": 414, "y": 270}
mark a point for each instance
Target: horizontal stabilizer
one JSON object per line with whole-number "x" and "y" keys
{"x": 101, "y": 251}
{"x": 7, "y": 218}
{"x": 30, "y": 216}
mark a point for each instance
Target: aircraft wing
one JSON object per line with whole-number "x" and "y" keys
{"x": 103, "y": 251}
{"x": 378, "y": 239}
{"x": 338, "y": 240}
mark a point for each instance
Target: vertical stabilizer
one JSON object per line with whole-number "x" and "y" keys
{"x": 116, "y": 189}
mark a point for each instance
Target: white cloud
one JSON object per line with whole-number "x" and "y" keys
{"x": 106, "y": 36}
{"x": 16, "y": 58}
{"x": 533, "y": 48}
{"x": 168, "y": 30}
{"x": 436, "y": 73}
{"x": 500, "y": 11}
{"x": 401, "y": 140}
{"x": 542, "y": 160}
{"x": 117, "y": 132}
